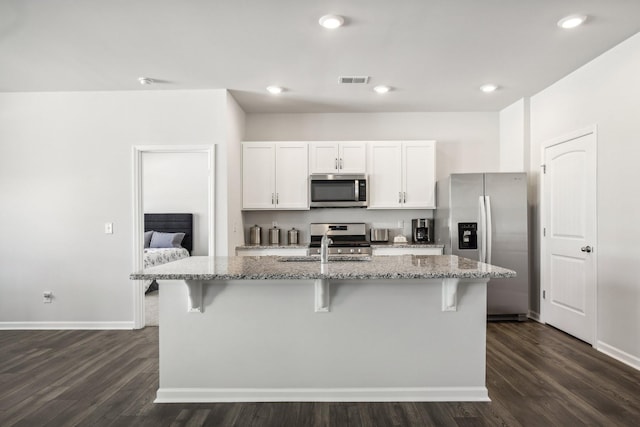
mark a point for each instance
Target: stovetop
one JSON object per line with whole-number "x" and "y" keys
{"x": 341, "y": 241}
{"x": 347, "y": 238}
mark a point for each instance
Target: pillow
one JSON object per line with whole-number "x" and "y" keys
{"x": 147, "y": 238}
{"x": 166, "y": 240}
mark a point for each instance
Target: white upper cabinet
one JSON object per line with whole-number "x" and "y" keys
{"x": 338, "y": 157}
{"x": 275, "y": 175}
{"x": 419, "y": 174}
{"x": 402, "y": 175}
{"x": 385, "y": 175}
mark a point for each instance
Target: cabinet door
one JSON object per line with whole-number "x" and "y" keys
{"x": 385, "y": 174}
{"x": 258, "y": 175}
{"x": 419, "y": 174}
{"x": 352, "y": 157}
{"x": 292, "y": 175}
{"x": 323, "y": 157}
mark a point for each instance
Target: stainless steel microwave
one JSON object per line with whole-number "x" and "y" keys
{"x": 338, "y": 191}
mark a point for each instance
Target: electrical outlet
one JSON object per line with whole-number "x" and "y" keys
{"x": 108, "y": 228}
{"x": 401, "y": 224}
{"x": 48, "y": 297}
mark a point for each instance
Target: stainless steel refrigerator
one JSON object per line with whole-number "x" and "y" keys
{"x": 483, "y": 216}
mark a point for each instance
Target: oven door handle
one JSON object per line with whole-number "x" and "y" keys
{"x": 357, "y": 190}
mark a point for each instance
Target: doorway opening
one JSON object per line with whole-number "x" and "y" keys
{"x": 171, "y": 179}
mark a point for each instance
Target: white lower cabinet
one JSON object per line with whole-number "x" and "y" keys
{"x": 406, "y": 251}
{"x": 269, "y": 251}
{"x": 275, "y": 175}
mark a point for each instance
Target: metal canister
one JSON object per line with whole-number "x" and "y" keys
{"x": 292, "y": 236}
{"x": 274, "y": 236}
{"x": 254, "y": 235}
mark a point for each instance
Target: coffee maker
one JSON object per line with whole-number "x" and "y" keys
{"x": 422, "y": 230}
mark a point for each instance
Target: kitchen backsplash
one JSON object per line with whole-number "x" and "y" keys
{"x": 285, "y": 220}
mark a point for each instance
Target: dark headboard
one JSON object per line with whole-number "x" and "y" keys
{"x": 172, "y": 223}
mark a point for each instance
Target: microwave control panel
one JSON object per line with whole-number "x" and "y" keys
{"x": 467, "y": 235}
{"x": 362, "y": 190}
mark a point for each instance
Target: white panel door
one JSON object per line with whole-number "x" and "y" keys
{"x": 353, "y": 157}
{"x": 323, "y": 157}
{"x": 258, "y": 175}
{"x": 292, "y": 175}
{"x": 569, "y": 228}
{"x": 385, "y": 174}
{"x": 419, "y": 174}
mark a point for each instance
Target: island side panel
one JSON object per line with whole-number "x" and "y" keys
{"x": 265, "y": 335}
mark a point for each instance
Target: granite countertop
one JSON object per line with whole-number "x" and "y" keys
{"x": 272, "y": 268}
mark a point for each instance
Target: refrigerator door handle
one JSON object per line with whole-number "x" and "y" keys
{"x": 483, "y": 230}
{"x": 488, "y": 228}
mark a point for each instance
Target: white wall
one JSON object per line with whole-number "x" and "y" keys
{"x": 65, "y": 170}
{"x": 178, "y": 183}
{"x": 606, "y": 93}
{"x": 466, "y": 142}
{"x": 235, "y": 128}
{"x": 515, "y": 156}
{"x": 514, "y": 137}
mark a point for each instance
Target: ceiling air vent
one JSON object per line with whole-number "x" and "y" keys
{"x": 360, "y": 80}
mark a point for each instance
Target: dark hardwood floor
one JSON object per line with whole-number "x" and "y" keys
{"x": 537, "y": 376}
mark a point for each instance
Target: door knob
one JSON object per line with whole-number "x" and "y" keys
{"x": 586, "y": 249}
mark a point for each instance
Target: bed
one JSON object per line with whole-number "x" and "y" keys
{"x": 168, "y": 237}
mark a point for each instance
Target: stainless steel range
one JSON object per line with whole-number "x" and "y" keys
{"x": 347, "y": 238}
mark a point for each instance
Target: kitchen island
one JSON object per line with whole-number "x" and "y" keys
{"x": 393, "y": 328}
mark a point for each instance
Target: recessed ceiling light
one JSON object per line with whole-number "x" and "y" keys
{"x": 571, "y": 21}
{"x": 382, "y": 89}
{"x": 145, "y": 80}
{"x": 331, "y": 21}
{"x": 274, "y": 90}
{"x": 488, "y": 88}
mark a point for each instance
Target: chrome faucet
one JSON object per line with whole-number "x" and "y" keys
{"x": 324, "y": 248}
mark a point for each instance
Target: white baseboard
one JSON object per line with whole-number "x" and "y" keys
{"x": 534, "y": 316}
{"x": 624, "y": 357}
{"x": 64, "y": 325}
{"x": 382, "y": 394}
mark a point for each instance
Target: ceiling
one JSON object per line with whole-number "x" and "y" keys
{"x": 435, "y": 54}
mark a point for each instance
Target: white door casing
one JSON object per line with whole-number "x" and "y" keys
{"x": 569, "y": 247}
{"x": 138, "y": 213}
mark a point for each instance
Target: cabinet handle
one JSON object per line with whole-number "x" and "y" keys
{"x": 336, "y": 163}
{"x": 341, "y": 163}
{"x": 399, "y": 196}
{"x": 404, "y": 197}
{"x": 273, "y": 199}
{"x": 277, "y": 198}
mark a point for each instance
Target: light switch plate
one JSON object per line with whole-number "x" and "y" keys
{"x": 108, "y": 228}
